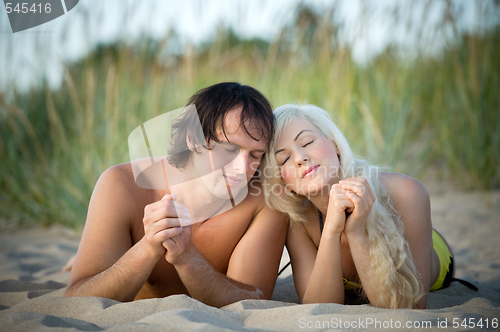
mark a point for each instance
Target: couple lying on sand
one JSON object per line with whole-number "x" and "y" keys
{"x": 354, "y": 234}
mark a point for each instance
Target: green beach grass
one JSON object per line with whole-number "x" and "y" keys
{"x": 427, "y": 112}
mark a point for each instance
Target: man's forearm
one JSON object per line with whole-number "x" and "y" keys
{"x": 121, "y": 281}
{"x": 209, "y": 286}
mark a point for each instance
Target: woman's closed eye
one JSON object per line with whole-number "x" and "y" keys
{"x": 307, "y": 144}
{"x": 284, "y": 161}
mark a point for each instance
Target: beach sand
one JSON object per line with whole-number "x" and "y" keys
{"x": 32, "y": 285}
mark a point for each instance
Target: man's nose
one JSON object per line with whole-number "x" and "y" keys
{"x": 240, "y": 163}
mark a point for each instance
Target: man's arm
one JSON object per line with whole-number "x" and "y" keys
{"x": 107, "y": 264}
{"x": 252, "y": 269}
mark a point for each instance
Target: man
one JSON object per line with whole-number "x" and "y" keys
{"x": 134, "y": 248}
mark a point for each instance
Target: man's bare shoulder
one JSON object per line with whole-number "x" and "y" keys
{"x": 120, "y": 173}
{"x": 257, "y": 201}
{"x": 116, "y": 188}
{"x": 255, "y": 196}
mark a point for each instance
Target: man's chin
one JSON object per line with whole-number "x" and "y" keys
{"x": 227, "y": 192}
{"x": 223, "y": 188}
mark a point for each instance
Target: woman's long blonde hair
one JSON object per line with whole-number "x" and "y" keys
{"x": 391, "y": 259}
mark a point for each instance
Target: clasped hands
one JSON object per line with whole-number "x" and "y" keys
{"x": 352, "y": 197}
{"x": 167, "y": 228}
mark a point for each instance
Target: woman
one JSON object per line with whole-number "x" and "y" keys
{"x": 354, "y": 231}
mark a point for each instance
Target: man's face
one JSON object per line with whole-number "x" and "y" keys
{"x": 235, "y": 159}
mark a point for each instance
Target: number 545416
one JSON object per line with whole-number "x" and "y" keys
{"x": 23, "y": 8}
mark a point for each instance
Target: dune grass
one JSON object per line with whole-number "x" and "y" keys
{"x": 432, "y": 111}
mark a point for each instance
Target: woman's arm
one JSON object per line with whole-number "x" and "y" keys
{"x": 362, "y": 197}
{"x": 411, "y": 200}
{"x": 317, "y": 273}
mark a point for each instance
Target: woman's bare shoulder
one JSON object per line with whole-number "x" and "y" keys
{"x": 310, "y": 227}
{"x": 402, "y": 187}
{"x": 411, "y": 200}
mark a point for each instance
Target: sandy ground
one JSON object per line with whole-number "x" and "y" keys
{"x": 31, "y": 286}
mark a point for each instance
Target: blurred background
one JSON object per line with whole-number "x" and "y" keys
{"x": 414, "y": 85}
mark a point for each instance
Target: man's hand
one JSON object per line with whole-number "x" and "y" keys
{"x": 162, "y": 227}
{"x": 177, "y": 246}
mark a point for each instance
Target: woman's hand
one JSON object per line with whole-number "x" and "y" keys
{"x": 162, "y": 225}
{"x": 358, "y": 191}
{"x": 338, "y": 204}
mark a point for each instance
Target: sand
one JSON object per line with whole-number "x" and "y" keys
{"x": 32, "y": 285}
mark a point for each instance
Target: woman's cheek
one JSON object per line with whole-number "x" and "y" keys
{"x": 287, "y": 176}
{"x": 325, "y": 148}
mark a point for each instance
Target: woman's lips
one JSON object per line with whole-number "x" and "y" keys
{"x": 310, "y": 171}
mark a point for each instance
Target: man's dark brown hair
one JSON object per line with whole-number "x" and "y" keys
{"x": 212, "y": 105}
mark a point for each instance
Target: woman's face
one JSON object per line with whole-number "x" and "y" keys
{"x": 308, "y": 161}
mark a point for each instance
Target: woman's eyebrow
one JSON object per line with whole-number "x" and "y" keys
{"x": 295, "y": 139}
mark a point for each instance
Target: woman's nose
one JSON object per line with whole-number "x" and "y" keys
{"x": 301, "y": 158}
